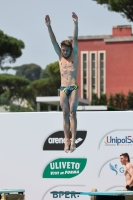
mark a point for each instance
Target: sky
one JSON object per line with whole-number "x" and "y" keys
{"x": 25, "y": 20}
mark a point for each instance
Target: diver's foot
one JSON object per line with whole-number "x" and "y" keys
{"x": 67, "y": 145}
{"x": 73, "y": 146}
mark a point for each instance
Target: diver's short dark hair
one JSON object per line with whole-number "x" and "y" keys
{"x": 126, "y": 155}
{"x": 67, "y": 43}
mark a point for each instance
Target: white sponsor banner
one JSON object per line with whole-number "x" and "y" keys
{"x": 118, "y": 138}
{"x": 113, "y": 169}
{"x": 32, "y": 155}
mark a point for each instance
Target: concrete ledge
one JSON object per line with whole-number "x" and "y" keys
{"x": 119, "y": 39}
{"x": 55, "y": 100}
{"x": 94, "y": 108}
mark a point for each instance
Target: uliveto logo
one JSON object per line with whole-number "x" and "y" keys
{"x": 56, "y": 140}
{"x": 64, "y": 168}
{"x": 117, "y": 141}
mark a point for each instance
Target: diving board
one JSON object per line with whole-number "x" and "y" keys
{"x": 8, "y": 191}
{"x": 107, "y": 193}
{"x": 103, "y": 195}
{"x": 12, "y": 194}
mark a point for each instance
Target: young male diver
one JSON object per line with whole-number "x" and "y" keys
{"x": 68, "y": 62}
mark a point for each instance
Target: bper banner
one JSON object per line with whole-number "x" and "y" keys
{"x": 33, "y": 158}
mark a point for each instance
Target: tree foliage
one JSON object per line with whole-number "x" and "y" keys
{"x": 21, "y": 88}
{"x": 13, "y": 84}
{"x": 12, "y": 81}
{"x": 125, "y": 7}
{"x": 53, "y": 71}
{"x": 48, "y": 86}
{"x": 95, "y": 99}
{"x": 118, "y": 100}
{"x": 29, "y": 71}
{"x": 44, "y": 74}
{"x": 10, "y": 48}
{"x": 5, "y": 68}
{"x": 130, "y": 100}
{"x": 111, "y": 100}
{"x": 16, "y": 88}
{"x": 44, "y": 87}
{"x": 103, "y": 99}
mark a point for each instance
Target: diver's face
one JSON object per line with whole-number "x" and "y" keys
{"x": 123, "y": 160}
{"x": 66, "y": 51}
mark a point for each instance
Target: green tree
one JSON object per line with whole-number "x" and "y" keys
{"x": 29, "y": 71}
{"x": 1, "y": 90}
{"x": 24, "y": 93}
{"x": 53, "y": 71}
{"x": 103, "y": 99}
{"x": 44, "y": 74}
{"x": 120, "y": 100}
{"x": 10, "y": 48}
{"x": 4, "y": 98}
{"x": 18, "y": 89}
{"x": 123, "y": 101}
{"x": 130, "y": 100}
{"x": 95, "y": 99}
{"x": 13, "y": 84}
{"x": 44, "y": 87}
{"x": 6, "y": 68}
{"x": 111, "y": 100}
{"x": 117, "y": 100}
{"x": 125, "y": 7}
{"x": 48, "y": 86}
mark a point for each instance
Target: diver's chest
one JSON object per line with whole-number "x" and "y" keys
{"x": 67, "y": 64}
{"x": 67, "y": 67}
{"x": 64, "y": 62}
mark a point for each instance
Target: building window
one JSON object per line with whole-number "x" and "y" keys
{"x": 101, "y": 72}
{"x": 84, "y": 74}
{"x": 93, "y": 72}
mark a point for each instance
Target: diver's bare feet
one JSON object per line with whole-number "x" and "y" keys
{"x": 67, "y": 145}
{"x": 73, "y": 146}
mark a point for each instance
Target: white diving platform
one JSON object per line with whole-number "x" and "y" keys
{"x": 84, "y": 104}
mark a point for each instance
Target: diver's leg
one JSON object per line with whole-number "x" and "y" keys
{"x": 73, "y": 103}
{"x": 64, "y": 103}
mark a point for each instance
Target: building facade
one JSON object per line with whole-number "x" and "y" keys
{"x": 106, "y": 63}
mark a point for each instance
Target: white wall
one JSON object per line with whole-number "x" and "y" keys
{"x": 23, "y": 160}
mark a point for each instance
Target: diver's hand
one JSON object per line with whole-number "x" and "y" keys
{"x": 47, "y": 20}
{"x": 74, "y": 17}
